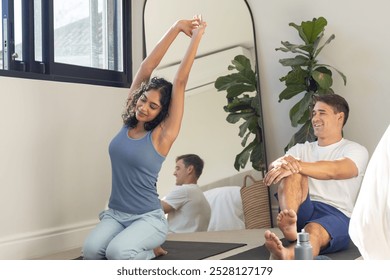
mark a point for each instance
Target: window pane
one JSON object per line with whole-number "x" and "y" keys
{"x": 88, "y": 33}
{"x": 1, "y": 37}
{"x": 38, "y": 29}
{"x": 18, "y": 54}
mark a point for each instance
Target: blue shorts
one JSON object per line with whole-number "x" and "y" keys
{"x": 334, "y": 221}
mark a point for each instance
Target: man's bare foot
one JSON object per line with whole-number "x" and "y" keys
{"x": 287, "y": 223}
{"x": 275, "y": 247}
{"x": 159, "y": 251}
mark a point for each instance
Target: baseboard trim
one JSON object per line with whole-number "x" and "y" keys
{"x": 34, "y": 245}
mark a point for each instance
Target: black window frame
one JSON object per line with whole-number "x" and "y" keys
{"x": 48, "y": 69}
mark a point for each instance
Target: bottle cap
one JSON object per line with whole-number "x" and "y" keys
{"x": 303, "y": 236}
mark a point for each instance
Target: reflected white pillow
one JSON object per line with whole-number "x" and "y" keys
{"x": 226, "y": 208}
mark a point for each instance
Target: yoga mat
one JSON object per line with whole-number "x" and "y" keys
{"x": 262, "y": 253}
{"x": 188, "y": 250}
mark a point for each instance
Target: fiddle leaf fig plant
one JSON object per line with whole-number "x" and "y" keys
{"x": 243, "y": 104}
{"x": 307, "y": 76}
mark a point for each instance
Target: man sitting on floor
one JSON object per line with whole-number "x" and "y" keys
{"x": 319, "y": 183}
{"x": 186, "y": 205}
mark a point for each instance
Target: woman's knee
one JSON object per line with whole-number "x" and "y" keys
{"x": 117, "y": 252}
{"x": 92, "y": 251}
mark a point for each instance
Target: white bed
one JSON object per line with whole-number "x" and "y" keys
{"x": 226, "y": 201}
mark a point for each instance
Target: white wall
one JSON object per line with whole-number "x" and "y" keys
{"x": 54, "y": 165}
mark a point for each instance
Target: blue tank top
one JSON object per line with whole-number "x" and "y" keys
{"x": 135, "y": 165}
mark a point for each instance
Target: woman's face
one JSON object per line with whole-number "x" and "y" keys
{"x": 148, "y": 106}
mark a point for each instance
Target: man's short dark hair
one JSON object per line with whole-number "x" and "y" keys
{"x": 337, "y": 102}
{"x": 194, "y": 160}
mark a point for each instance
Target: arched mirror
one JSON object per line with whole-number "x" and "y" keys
{"x": 205, "y": 130}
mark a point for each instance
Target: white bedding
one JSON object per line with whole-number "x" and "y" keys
{"x": 226, "y": 208}
{"x": 370, "y": 221}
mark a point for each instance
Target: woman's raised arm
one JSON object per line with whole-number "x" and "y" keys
{"x": 150, "y": 63}
{"x": 169, "y": 129}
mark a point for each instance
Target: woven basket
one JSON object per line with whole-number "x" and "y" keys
{"x": 255, "y": 202}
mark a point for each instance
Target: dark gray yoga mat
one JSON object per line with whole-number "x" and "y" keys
{"x": 262, "y": 253}
{"x": 188, "y": 250}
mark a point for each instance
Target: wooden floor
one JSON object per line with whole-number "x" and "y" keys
{"x": 67, "y": 255}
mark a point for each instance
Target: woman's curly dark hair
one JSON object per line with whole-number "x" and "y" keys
{"x": 165, "y": 89}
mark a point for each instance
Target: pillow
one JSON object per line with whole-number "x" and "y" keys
{"x": 226, "y": 208}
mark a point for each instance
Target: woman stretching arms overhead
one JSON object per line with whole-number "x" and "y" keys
{"x": 134, "y": 224}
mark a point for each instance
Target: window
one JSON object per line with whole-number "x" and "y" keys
{"x": 75, "y": 40}
{"x": 1, "y": 38}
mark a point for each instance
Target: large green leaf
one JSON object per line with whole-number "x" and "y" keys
{"x": 300, "y": 32}
{"x": 256, "y": 156}
{"x": 243, "y": 128}
{"x": 243, "y": 157}
{"x": 299, "y": 60}
{"x": 323, "y": 78}
{"x": 255, "y": 103}
{"x": 252, "y": 124}
{"x": 305, "y": 117}
{"x": 224, "y": 82}
{"x": 235, "y": 117}
{"x": 339, "y": 72}
{"x": 305, "y": 133}
{"x": 300, "y": 109}
{"x": 291, "y": 91}
{"x": 238, "y": 89}
{"x": 245, "y": 79}
{"x": 314, "y": 46}
{"x": 240, "y": 63}
{"x": 239, "y": 104}
{"x": 245, "y": 139}
{"x": 297, "y": 76}
{"x": 312, "y": 29}
{"x": 294, "y": 48}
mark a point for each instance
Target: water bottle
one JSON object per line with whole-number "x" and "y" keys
{"x": 303, "y": 249}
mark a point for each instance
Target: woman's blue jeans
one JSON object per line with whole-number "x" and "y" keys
{"x": 122, "y": 236}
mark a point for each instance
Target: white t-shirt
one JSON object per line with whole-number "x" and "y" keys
{"x": 340, "y": 194}
{"x": 192, "y": 211}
